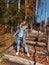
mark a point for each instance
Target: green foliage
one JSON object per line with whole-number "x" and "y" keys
{"x": 1, "y": 54}
{"x": 2, "y": 1}
{"x": 13, "y": 8}
{"x": 11, "y": 13}
{"x": 2, "y": 9}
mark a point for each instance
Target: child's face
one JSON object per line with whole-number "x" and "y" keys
{"x": 23, "y": 23}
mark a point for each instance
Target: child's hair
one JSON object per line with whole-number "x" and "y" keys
{"x": 23, "y": 23}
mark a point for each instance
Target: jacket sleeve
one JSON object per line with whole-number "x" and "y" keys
{"x": 26, "y": 31}
{"x": 16, "y": 33}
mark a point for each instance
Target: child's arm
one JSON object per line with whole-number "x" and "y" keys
{"x": 26, "y": 33}
{"x": 16, "y": 33}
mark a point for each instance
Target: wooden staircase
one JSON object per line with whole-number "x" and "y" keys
{"x": 36, "y": 45}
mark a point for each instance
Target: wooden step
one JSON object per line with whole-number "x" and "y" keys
{"x": 36, "y": 39}
{"x": 30, "y": 42}
{"x": 42, "y": 40}
{"x": 30, "y": 38}
{"x": 40, "y": 35}
{"x": 35, "y": 43}
{"x": 20, "y": 60}
{"x": 33, "y": 35}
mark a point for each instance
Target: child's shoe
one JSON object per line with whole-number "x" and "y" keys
{"x": 28, "y": 54}
{"x": 17, "y": 53}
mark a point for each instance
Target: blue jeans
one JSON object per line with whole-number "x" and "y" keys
{"x": 18, "y": 44}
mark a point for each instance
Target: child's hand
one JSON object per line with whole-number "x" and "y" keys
{"x": 13, "y": 35}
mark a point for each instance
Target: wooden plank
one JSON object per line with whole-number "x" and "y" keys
{"x": 35, "y": 43}
{"x": 42, "y": 38}
{"x": 40, "y": 35}
{"x": 37, "y": 52}
{"x": 36, "y": 32}
{"x": 30, "y": 38}
{"x": 39, "y": 39}
{"x": 41, "y": 43}
{"x": 30, "y": 42}
{"x": 33, "y": 35}
{"x": 20, "y": 60}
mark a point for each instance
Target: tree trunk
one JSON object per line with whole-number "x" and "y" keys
{"x": 48, "y": 46}
{"x": 36, "y": 8}
{"x": 18, "y": 5}
{"x": 41, "y": 14}
{"x": 46, "y": 14}
{"x": 7, "y": 4}
{"x": 25, "y": 9}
